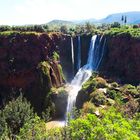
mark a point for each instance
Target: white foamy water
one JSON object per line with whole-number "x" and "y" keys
{"x": 81, "y": 77}
{"x": 72, "y": 55}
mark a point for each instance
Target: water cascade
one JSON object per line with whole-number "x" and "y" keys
{"x": 81, "y": 77}
{"x": 72, "y": 54}
{"x": 98, "y": 53}
{"x": 102, "y": 52}
{"x": 79, "y": 54}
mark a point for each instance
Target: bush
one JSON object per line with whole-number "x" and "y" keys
{"x": 33, "y": 129}
{"x": 135, "y": 26}
{"x": 114, "y": 85}
{"x": 64, "y": 29}
{"x": 60, "y": 90}
{"x": 98, "y": 97}
{"x": 4, "y": 28}
{"x": 111, "y": 94}
{"x": 4, "y": 131}
{"x": 138, "y": 89}
{"x": 111, "y": 126}
{"x": 130, "y": 108}
{"x": 130, "y": 90}
{"x": 88, "y": 107}
{"x": 115, "y": 25}
{"x": 15, "y": 114}
{"x": 55, "y": 56}
{"x": 101, "y": 83}
{"x": 89, "y": 86}
{"x": 115, "y": 95}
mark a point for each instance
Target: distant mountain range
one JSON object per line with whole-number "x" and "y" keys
{"x": 60, "y": 22}
{"x": 132, "y": 18}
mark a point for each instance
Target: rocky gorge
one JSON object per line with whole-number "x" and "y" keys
{"x": 29, "y": 63}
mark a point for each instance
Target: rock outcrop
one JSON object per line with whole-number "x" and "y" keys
{"x": 122, "y": 60}
{"x": 24, "y": 58}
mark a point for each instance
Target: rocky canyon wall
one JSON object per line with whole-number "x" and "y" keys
{"x": 27, "y": 66}
{"x": 122, "y": 60}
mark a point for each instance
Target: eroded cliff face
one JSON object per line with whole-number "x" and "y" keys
{"x": 64, "y": 50}
{"x": 122, "y": 60}
{"x": 27, "y": 65}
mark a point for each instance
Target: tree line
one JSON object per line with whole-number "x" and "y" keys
{"x": 37, "y": 28}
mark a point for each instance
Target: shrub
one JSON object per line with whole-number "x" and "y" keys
{"x": 135, "y": 26}
{"x": 138, "y": 89}
{"x": 15, "y": 114}
{"x": 115, "y": 25}
{"x": 60, "y": 90}
{"x": 114, "y": 85}
{"x": 98, "y": 97}
{"x": 35, "y": 128}
{"x": 101, "y": 83}
{"x": 135, "y": 122}
{"x": 64, "y": 29}
{"x": 130, "y": 108}
{"x": 130, "y": 90}
{"x": 46, "y": 114}
{"x": 61, "y": 72}
{"x": 4, "y": 28}
{"x": 111, "y": 126}
{"x": 55, "y": 56}
{"x": 111, "y": 94}
{"x": 58, "y": 134}
{"x": 4, "y": 131}
{"x": 89, "y": 86}
{"x": 88, "y": 107}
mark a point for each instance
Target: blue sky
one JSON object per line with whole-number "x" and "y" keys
{"x": 20, "y": 12}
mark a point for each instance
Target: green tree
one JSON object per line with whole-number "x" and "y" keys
{"x": 64, "y": 29}
{"x": 125, "y": 19}
{"x": 89, "y": 27}
{"x": 46, "y": 27}
{"x": 115, "y": 25}
{"x": 4, "y": 28}
{"x": 122, "y": 19}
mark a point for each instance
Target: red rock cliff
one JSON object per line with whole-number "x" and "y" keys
{"x": 20, "y": 56}
{"x": 123, "y": 59}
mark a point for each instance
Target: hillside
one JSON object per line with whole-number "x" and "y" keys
{"x": 59, "y": 22}
{"x": 132, "y": 18}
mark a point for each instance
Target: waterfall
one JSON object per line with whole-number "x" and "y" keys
{"x": 102, "y": 52}
{"x": 72, "y": 54}
{"x": 79, "y": 54}
{"x": 99, "y": 51}
{"x": 81, "y": 77}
